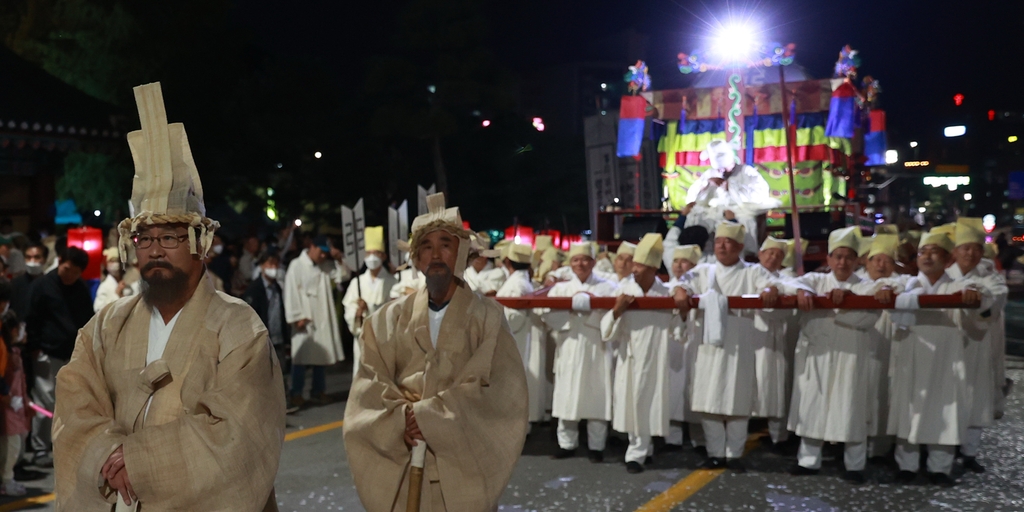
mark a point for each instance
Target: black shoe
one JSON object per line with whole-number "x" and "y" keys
{"x": 595, "y": 456}
{"x": 634, "y": 468}
{"x": 941, "y": 479}
{"x": 972, "y": 464}
{"x": 854, "y": 477}
{"x": 735, "y": 465}
{"x": 713, "y": 463}
{"x": 799, "y": 470}
{"x": 562, "y": 453}
{"x": 649, "y": 460}
{"x": 701, "y": 450}
{"x": 906, "y": 477}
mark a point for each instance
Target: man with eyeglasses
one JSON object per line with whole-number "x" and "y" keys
{"x": 172, "y": 399}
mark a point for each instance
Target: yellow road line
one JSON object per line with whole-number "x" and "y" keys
{"x": 298, "y": 434}
{"x": 46, "y": 498}
{"x": 689, "y": 485}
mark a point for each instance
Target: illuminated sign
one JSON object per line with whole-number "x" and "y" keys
{"x": 950, "y": 182}
{"x": 988, "y": 222}
{"x": 917, "y": 163}
{"x": 954, "y": 131}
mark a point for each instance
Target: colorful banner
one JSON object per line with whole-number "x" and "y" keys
{"x": 632, "y": 112}
{"x": 810, "y": 182}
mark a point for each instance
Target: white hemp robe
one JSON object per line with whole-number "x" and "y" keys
{"x": 983, "y": 335}
{"x": 745, "y": 193}
{"x": 309, "y": 294}
{"x": 929, "y": 399}
{"x": 830, "y": 390}
{"x": 583, "y": 361}
{"x": 682, "y": 358}
{"x": 531, "y": 338}
{"x": 771, "y": 366}
{"x": 375, "y": 292}
{"x": 724, "y": 380}
{"x": 880, "y": 355}
{"x": 642, "y": 388}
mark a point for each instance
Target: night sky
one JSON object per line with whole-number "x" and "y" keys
{"x": 922, "y": 51}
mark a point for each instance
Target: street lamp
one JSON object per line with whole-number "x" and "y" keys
{"x": 317, "y": 155}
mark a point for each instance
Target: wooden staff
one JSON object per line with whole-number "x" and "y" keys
{"x": 419, "y": 454}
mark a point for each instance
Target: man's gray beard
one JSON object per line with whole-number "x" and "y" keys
{"x": 160, "y": 291}
{"x": 437, "y": 284}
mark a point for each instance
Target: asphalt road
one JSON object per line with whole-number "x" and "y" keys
{"x": 315, "y": 475}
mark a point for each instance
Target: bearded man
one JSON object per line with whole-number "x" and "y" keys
{"x": 172, "y": 399}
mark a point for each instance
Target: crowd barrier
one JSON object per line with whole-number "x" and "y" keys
{"x": 952, "y": 301}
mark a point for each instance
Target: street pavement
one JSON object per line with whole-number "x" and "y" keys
{"x": 315, "y": 476}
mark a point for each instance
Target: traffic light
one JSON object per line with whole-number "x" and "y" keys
{"x": 991, "y": 115}
{"x": 958, "y": 99}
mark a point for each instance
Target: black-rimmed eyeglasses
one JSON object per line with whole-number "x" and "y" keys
{"x": 167, "y": 241}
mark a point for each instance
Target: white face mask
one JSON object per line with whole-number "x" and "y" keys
{"x": 217, "y": 249}
{"x": 33, "y": 268}
{"x": 373, "y": 262}
{"x": 270, "y": 273}
{"x": 114, "y": 269}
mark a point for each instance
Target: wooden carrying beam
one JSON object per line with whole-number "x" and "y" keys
{"x": 742, "y": 302}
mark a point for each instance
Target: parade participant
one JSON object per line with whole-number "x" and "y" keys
{"x": 481, "y": 275}
{"x": 830, "y": 390}
{"x": 309, "y": 309}
{"x": 172, "y": 399}
{"x": 642, "y": 390}
{"x": 684, "y": 258}
{"x": 788, "y": 270}
{"x": 929, "y": 402}
{"x": 679, "y": 237}
{"x": 683, "y": 355}
{"x": 881, "y": 269}
{"x": 583, "y": 362}
{"x": 984, "y": 383}
{"x": 724, "y": 379}
{"x": 726, "y": 191}
{"x": 439, "y": 367}
{"x": 623, "y": 263}
{"x": 112, "y": 286}
{"x": 771, "y": 367}
{"x": 409, "y": 279}
{"x": 862, "y": 257}
{"x": 527, "y": 328}
{"x": 373, "y": 289}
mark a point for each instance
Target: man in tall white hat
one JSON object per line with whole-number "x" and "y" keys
{"x": 724, "y": 372}
{"x": 642, "y": 390}
{"x": 728, "y": 191}
{"x": 684, "y": 258}
{"x": 830, "y": 390}
{"x": 623, "y": 263}
{"x": 929, "y": 399}
{"x": 439, "y": 367}
{"x": 772, "y": 368}
{"x": 583, "y": 361}
{"x": 365, "y": 297}
{"x": 984, "y": 380}
{"x": 172, "y": 399}
{"x": 527, "y": 328}
{"x": 683, "y": 355}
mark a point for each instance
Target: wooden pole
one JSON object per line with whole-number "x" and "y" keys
{"x": 798, "y": 251}
{"x": 419, "y": 452}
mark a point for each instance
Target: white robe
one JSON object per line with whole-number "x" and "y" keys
{"x": 409, "y": 279}
{"x": 984, "y": 336}
{"x": 309, "y": 294}
{"x": 642, "y": 388}
{"x": 724, "y": 376}
{"x": 531, "y": 339}
{"x": 771, "y": 366}
{"x": 375, "y": 293}
{"x": 105, "y": 293}
{"x": 745, "y": 193}
{"x": 830, "y": 371}
{"x": 929, "y": 401}
{"x": 583, "y": 361}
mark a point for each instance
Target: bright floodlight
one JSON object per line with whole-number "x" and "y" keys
{"x": 954, "y": 131}
{"x": 913, "y": 143}
{"x": 298, "y": 222}
{"x": 891, "y": 156}
{"x": 968, "y": 197}
{"x": 734, "y": 42}
{"x": 96, "y": 213}
{"x": 922, "y": 209}
{"x": 317, "y": 154}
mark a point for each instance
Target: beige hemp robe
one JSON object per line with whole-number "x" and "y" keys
{"x": 473, "y": 412}
{"x": 213, "y": 434}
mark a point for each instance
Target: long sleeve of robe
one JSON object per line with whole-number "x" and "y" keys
{"x": 309, "y": 295}
{"x": 981, "y": 327}
{"x": 531, "y": 339}
{"x": 211, "y": 437}
{"x": 473, "y": 410}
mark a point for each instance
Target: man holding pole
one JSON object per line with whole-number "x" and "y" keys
{"x": 440, "y": 368}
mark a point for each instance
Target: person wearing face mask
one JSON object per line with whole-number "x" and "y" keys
{"x": 112, "y": 286}
{"x": 728, "y": 191}
{"x": 362, "y": 299}
{"x": 265, "y": 296}
{"x": 219, "y": 262}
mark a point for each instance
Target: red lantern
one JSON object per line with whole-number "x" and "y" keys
{"x": 89, "y": 240}
{"x": 520, "y": 235}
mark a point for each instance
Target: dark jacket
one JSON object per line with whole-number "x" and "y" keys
{"x": 256, "y": 296}
{"x": 21, "y": 288}
{"x": 55, "y": 314}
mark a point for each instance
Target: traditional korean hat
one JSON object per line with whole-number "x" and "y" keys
{"x": 479, "y": 246}
{"x": 502, "y": 246}
{"x": 865, "y": 246}
{"x": 519, "y": 253}
{"x": 731, "y": 230}
{"x": 775, "y": 243}
{"x": 626, "y": 248}
{"x": 543, "y": 242}
{"x": 887, "y": 244}
{"x": 582, "y": 249}
{"x": 912, "y": 237}
{"x": 947, "y": 229}
{"x": 969, "y": 230}
{"x": 166, "y": 188}
{"x": 939, "y": 239}
{"x": 848, "y": 237}
{"x": 687, "y": 252}
{"x": 373, "y": 238}
{"x": 790, "y": 258}
{"x": 649, "y": 250}
{"x": 440, "y": 218}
